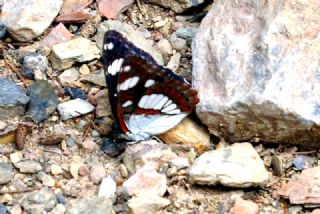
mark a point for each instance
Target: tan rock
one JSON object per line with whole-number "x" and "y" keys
{"x": 187, "y": 132}
{"x": 147, "y": 203}
{"x": 77, "y": 50}
{"x": 236, "y": 166}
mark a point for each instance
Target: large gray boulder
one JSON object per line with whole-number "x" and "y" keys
{"x": 256, "y": 67}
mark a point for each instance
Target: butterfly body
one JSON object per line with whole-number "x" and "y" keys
{"x": 146, "y": 98}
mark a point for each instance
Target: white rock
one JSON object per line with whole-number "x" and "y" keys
{"x": 180, "y": 162}
{"x": 56, "y": 169}
{"x": 74, "y": 169}
{"x": 69, "y": 76}
{"x": 77, "y": 50}
{"x": 48, "y": 180}
{"x": 28, "y": 19}
{"x": 74, "y": 108}
{"x": 108, "y": 188}
{"x": 236, "y": 166}
{"x": 16, "y": 157}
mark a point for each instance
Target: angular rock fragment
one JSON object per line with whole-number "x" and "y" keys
{"x": 235, "y": 166}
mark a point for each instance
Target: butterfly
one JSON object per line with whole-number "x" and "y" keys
{"x": 146, "y": 99}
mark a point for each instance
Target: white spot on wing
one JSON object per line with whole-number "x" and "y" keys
{"x": 126, "y": 68}
{"x": 167, "y": 103}
{"x": 127, "y": 103}
{"x": 169, "y": 108}
{"x": 134, "y": 81}
{"x": 110, "y": 46}
{"x": 161, "y": 103}
{"x": 156, "y": 100}
{"x": 129, "y": 83}
{"x": 174, "y": 111}
{"x": 149, "y": 103}
{"x": 115, "y": 66}
{"x": 149, "y": 83}
{"x": 105, "y": 47}
{"x": 143, "y": 101}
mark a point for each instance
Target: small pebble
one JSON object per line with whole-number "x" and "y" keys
{"x": 15, "y": 157}
{"x": 144, "y": 32}
{"x": 74, "y": 169}
{"x": 84, "y": 69}
{"x": 97, "y": 173}
{"x": 89, "y": 145}
{"x": 56, "y": 169}
{"x": 32, "y": 63}
{"x": 123, "y": 171}
{"x": 83, "y": 170}
{"x": 176, "y": 25}
{"x": 95, "y": 134}
{"x": 302, "y": 162}
{"x": 70, "y": 141}
{"x": 178, "y": 43}
{"x": 3, "y": 30}
{"x": 186, "y": 33}
{"x": 3, "y": 209}
{"x": 28, "y": 166}
{"x": 75, "y": 93}
{"x": 164, "y": 47}
{"x": 107, "y": 187}
{"x": 82, "y": 125}
{"x": 7, "y": 199}
{"x": 61, "y": 199}
{"x": 113, "y": 148}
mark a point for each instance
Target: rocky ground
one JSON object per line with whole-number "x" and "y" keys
{"x": 55, "y": 156}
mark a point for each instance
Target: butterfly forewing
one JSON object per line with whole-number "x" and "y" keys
{"x": 146, "y": 98}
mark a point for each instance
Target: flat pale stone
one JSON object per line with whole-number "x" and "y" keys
{"x": 236, "y": 166}
{"x": 147, "y": 203}
{"x": 65, "y": 54}
{"x": 74, "y": 108}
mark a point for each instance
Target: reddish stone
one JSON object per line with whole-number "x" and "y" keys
{"x": 83, "y": 170}
{"x": 305, "y": 189}
{"x": 70, "y": 6}
{"x": 244, "y": 207}
{"x": 316, "y": 211}
{"x": 97, "y": 173}
{"x": 89, "y": 145}
{"x": 57, "y": 35}
{"x": 112, "y": 8}
{"x": 78, "y": 16}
